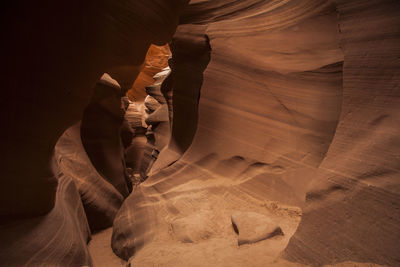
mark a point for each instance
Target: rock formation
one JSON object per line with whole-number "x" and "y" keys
{"x": 352, "y": 206}
{"x": 54, "y": 77}
{"x": 156, "y": 60}
{"x": 298, "y": 110}
{"x": 58, "y": 238}
{"x": 148, "y": 111}
{"x": 100, "y": 199}
{"x": 101, "y": 134}
{"x": 191, "y": 55}
{"x": 281, "y": 117}
{"x": 157, "y": 118}
{"x": 52, "y": 61}
{"x": 134, "y": 152}
{"x": 253, "y": 227}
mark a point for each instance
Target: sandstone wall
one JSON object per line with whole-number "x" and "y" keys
{"x": 298, "y": 110}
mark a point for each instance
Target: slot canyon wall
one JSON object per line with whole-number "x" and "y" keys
{"x": 275, "y": 131}
{"x": 52, "y": 63}
{"x": 298, "y": 121}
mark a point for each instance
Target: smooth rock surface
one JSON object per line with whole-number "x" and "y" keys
{"x": 101, "y": 130}
{"x": 100, "y": 199}
{"x": 54, "y": 54}
{"x": 191, "y": 54}
{"x": 353, "y": 205}
{"x": 52, "y": 63}
{"x": 183, "y": 221}
{"x": 286, "y": 108}
{"x": 253, "y": 227}
{"x": 57, "y": 239}
{"x": 297, "y": 109}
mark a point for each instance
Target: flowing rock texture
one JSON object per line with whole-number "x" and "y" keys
{"x": 353, "y": 205}
{"x": 151, "y": 122}
{"x": 52, "y": 63}
{"x": 279, "y": 116}
{"x": 54, "y": 54}
{"x": 58, "y": 238}
{"x": 287, "y": 109}
{"x": 156, "y": 60}
{"x": 157, "y": 117}
{"x": 100, "y": 199}
{"x": 101, "y": 131}
{"x": 134, "y": 152}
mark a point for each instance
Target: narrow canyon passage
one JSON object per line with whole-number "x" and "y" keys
{"x": 201, "y": 133}
{"x": 256, "y": 147}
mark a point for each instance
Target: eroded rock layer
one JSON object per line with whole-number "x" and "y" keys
{"x": 100, "y": 199}
{"x": 158, "y": 120}
{"x": 156, "y": 59}
{"x": 298, "y": 109}
{"x": 51, "y": 64}
{"x": 54, "y": 75}
{"x": 353, "y": 206}
{"x": 270, "y": 100}
{"x": 191, "y": 55}
{"x": 284, "y": 113}
{"x": 56, "y": 239}
{"x": 101, "y": 131}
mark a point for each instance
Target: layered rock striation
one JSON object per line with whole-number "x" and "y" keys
{"x": 280, "y": 117}
{"x": 156, "y": 60}
{"x": 51, "y": 64}
{"x": 297, "y": 109}
{"x": 352, "y": 208}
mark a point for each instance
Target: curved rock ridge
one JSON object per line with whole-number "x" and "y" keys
{"x": 260, "y": 15}
{"x": 211, "y": 11}
{"x": 54, "y": 75}
{"x": 55, "y": 54}
{"x": 100, "y": 199}
{"x": 134, "y": 116}
{"x": 298, "y": 109}
{"x": 353, "y": 206}
{"x": 101, "y": 131}
{"x": 158, "y": 118}
{"x": 249, "y": 108}
{"x": 57, "y": 239}
{"x": 288, "y": 109}
{"x": 191, "y": 54}
{"x": 151, "y": 121}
